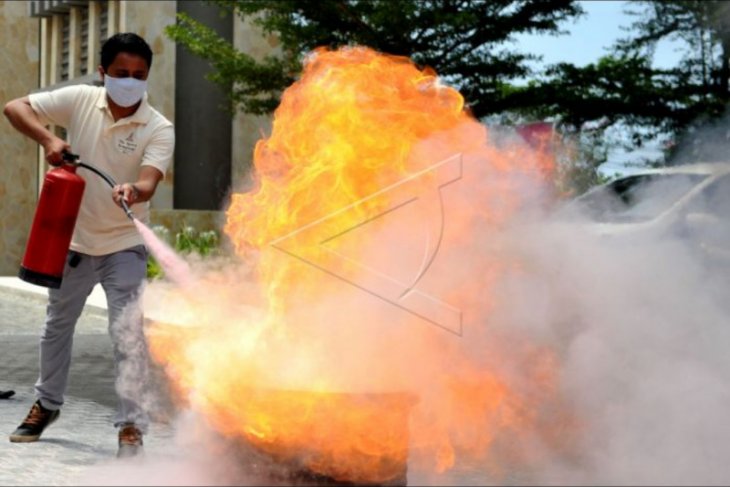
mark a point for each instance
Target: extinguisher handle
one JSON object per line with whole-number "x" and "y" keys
{"x": 70, "y": 157}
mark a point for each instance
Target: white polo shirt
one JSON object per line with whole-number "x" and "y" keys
{"x": 120, "y": 148}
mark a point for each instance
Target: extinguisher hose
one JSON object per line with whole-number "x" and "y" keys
{"x": 111, "y": 183}
{"x": 74, "y": 159}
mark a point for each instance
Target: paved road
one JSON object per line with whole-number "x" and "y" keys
{"x": 83, "y": 436}
{"x": 21, "y": 319}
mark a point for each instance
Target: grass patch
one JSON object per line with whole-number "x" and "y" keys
{"x": 188, "y": 240}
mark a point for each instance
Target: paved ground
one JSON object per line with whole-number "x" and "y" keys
{"x": 83, "y": 436}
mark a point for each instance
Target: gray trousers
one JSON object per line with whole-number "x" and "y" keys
{"x": 122, "y": 275}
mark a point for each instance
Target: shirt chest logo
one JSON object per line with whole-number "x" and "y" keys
{"x": 127, "y": 145}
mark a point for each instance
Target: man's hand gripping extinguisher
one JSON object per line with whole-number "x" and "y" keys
{"x": 54, "y": 222}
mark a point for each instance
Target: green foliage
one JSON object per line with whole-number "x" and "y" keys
{"x": 154, "y": 270}
{"x": 466, "y": 41}
{"x": 701, "y": 81}
{"x": 189, "y": 240}
{"x": 252, "y": 85}
{"x": 186, "y": 241}
{"x": 626, "y": 87}
{"x": 703, "y": 26}
{"x": 623, "y": 89}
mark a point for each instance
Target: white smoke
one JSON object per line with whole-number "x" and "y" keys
{"x": 641, "y": 322}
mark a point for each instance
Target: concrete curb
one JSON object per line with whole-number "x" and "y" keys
{"x": 40, "y": 299}
{"x": 96, "y": 303}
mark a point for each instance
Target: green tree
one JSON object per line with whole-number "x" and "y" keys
{"x": 625, "y": 87}
{"x": 467, "y": 42}
{"x": 586, "y": 102}
{"x": 702, "y": 80}
{"x": 612, "y": 89}
{"x": 704, "y": 26}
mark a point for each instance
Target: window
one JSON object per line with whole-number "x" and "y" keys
{"x": 103, "y": 22}
{"x": 706, "y": 221}
{"x": 637, "y": 198}
{"x": 72, "y": 32}
{"x": 65, "y": 46}
{"x": 714, "y": 199}
{"x": 84, "y": 42}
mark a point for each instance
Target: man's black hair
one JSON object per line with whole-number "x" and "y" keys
{"x": 128, "y": 42}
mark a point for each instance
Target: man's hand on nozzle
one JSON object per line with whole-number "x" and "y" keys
{"x": 54, "y": 149}
{"x": 128, "y": 191}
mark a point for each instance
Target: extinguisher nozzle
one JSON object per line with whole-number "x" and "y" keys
{"x": 127, "y": 210}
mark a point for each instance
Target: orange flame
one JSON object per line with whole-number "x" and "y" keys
{"x": 331, "y": 372}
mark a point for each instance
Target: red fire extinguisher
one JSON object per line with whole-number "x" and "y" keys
{"x": 53, "y": 226}
{"x": 54, "y": 222}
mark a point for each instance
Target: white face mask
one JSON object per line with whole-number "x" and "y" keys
{"x": 125, "y": 92}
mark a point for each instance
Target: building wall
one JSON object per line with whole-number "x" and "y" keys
{"x": 149, "y": 19}
{"x": 19, "y": 59}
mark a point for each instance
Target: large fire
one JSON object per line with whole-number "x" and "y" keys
{"x": 362, "y": 342}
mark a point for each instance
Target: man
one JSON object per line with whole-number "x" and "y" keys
{"x": 115, "y": 129}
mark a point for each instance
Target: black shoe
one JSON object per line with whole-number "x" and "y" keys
{"x": 130, "y": 441}
{"x": 38, "y": 419}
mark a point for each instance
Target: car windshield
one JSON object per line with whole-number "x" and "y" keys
{"x": 637, "y": 198}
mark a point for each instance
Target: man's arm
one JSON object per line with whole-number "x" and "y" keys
{"x": 22, "y": 116}
{"x": 141, "y": 190}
